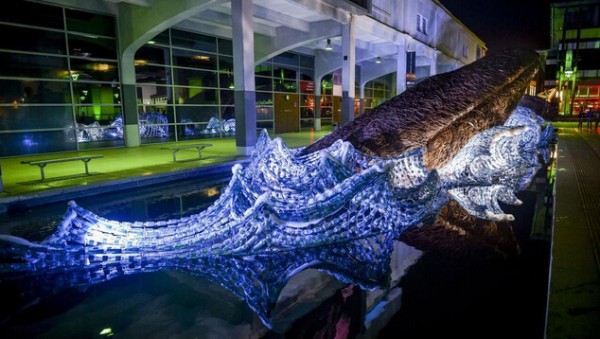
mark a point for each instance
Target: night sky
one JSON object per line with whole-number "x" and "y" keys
{"x": 505, "y": 23}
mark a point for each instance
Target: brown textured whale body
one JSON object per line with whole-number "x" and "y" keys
{"x": 444, "y": 111}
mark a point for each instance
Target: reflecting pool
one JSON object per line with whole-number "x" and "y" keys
{"x": 286, "y": 229}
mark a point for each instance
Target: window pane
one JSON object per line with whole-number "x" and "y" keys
{"x": 37, "y": 117}
{"x": 308, "y": 101}
{"x": 96, "y": 94}
{"x": 264, "y": 69}
{"x": 289, "y": 86}
{"x": 42, "y": 41}
{"x": 187, "y": 77}
{"x": 154, "y": 95}
{"x": 264, "y": 113}
{"x": 198, "y": 130}
{"x": 167, "y": 112}
{"x": 306, "y": 124}
{"x": 161, "y": 39}
{"x": 33, "y": 66}
{"x": 153, "y": 55}
{"x": 264, "y": 99}
{"x": 37, "y": 142}
{"x": 225, "y": 47}
{"x": 28, "y": 13}
{"x": 228, "y": 113}
{"x": 307, "y": 86}
{"x": 85, "y": 69}
{"x": 24, "y": 91}
{"x": 284, "y": 73}
{"x": 86, "y": 22}
{"x": 103, "y": 115}
{"x": 151, "y": 134}
{"x": 268, "y": 125}
{"x": 226, "y": 64}
{"x": 306, "y": 75}
{"x": 87, "y": 115}
{"x": 306, "y": 112}
{"x": 227, "y": 97}
{"x": 97, "y": 136}
{"x": 197, "y": 113}
{"x": 92, "y": 47}
{"x": 264, "y": 84}
{"x": 152, "y": 75}
{"x": 226, "y": 80}
{"x": 195, "y": 41}
{"x": 187, "y": 95}
{"x": 194, "y": 59}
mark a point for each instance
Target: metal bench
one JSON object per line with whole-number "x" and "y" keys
{"x": 176, "y": 149}
{"x": 42, "y": 163}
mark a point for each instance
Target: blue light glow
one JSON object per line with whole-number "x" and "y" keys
{"x": 337, "y": 210}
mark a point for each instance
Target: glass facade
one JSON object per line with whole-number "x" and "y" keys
{"x": 185, "y": 82}
{"x": 184, "y": 87}
{"x": 59, "y": 73}
{"x": 378, "y": 90}
{"x": 60, "y": 80}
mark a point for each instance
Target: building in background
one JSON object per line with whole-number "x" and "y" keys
{"x": 573, "y": 61}
{"x": 78, "y": 75}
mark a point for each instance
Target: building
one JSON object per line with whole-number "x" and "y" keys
{"x": 79, "y": 75}
{"x": 573, "y": 61}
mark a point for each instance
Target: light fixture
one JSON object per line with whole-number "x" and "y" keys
{"x": 328, "y": 46}
{"x": 378, "y": 60}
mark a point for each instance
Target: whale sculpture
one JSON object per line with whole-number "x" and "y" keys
{"x": 332, "y": 206}
{"x": 443, "y": 112}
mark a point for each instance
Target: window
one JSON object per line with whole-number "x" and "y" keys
{"x": 465, "y": 51}
{"x": 59, "y": 87}
{"x": 421, "y": 24}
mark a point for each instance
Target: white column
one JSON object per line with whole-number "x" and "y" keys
{"x": 401, "y": 69}
{"x": 242, "y": 13}
{"x": 433, "y": 63}
{"x": 317, "y": 103}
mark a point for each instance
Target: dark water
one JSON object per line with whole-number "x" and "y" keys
{"x": 158, "y": 304}
{"x": 476, "y": 286}
{"x": 157, "y": 202}
{"x": 469, "y": 283}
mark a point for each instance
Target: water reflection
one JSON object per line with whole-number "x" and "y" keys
{"x": 336, "y": 211}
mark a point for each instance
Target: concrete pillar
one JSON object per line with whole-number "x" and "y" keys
{"x": 401, "y": 69}
{"x": 433, "y": 64}
{"x": 317, "y": 121}
{"x": 131, "y": 129}
{"x": 242, "y": 12}
{"x": 348, "y": 70}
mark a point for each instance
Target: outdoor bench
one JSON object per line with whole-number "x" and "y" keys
{"x": 42, "y": 163}
{"x": 176, "y": 149}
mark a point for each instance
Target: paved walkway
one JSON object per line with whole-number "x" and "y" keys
{"x": 574, "y": 298}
